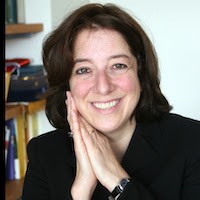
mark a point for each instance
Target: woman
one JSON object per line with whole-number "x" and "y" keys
{"x": 122, "y": 142}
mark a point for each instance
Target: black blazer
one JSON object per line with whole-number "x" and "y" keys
{"x": 163, "y": 160}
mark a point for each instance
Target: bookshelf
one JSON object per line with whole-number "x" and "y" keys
{"x": 13, "y": 29}
{"x": 25, "y": 109}
{"x": 35, "y": 106}
{"x": 13, "y": 188}
{"x": 12, "y": 111}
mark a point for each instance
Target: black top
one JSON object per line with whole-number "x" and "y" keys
{"x": 163, "y": 160}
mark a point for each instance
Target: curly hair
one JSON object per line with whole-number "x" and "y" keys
{"x": 58, "y": 60}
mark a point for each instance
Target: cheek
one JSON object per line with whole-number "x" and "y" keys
{"x": 129, "y": 84}
{"x": 79, "y": 89}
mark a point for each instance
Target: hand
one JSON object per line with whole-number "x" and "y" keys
{"x": 85, "y": 181}
{"x": 93, "y": 152}
{"x": 107, "y": 168}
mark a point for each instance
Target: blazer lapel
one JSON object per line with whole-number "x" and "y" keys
{"x": 143, "y": 151}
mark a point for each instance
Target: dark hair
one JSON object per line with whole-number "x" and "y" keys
{"x": 58, "y": 60}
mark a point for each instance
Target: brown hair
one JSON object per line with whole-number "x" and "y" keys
{"x": 58, "y": 60}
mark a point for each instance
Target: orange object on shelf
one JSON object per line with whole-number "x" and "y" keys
{"x": 7, "y": 84}
{"x": 12, "y": 64}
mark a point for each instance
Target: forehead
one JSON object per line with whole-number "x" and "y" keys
{"x": 100, "y": 39}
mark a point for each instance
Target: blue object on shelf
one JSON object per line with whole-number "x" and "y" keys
{"x": 29, "y": 84}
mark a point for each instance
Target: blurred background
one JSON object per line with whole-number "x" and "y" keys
{"x": 173, "y": 27}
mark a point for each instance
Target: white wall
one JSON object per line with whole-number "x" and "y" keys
{"x": 30, "y": 46}
{"x": 174, "y": 28}
{"x": 61, "y": 8}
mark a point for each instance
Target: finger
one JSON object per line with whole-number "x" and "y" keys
{"x": 76, "y": 128}
{"x": 67, "y": 102}
{"x": 89, "y": 129}
{"x": 88, "y": 133}
{"x": 69, "y": 106}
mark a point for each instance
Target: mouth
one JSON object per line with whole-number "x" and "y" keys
{"x": 106, "y": 105}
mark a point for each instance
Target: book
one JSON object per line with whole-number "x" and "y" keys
{"x": 21, "y": 143}
{"x": 16, "y": 156}
{"x": 7, "y": 137}
{"x": 12, "y": 158}
{"x": 32, "y": 125}
{"x": 6, "y": 12}
{"x": 7, "y": 84}
{"x": 10, "y": 167}
{"x": 10, "y": 11}
{"x": 20, "y": 11}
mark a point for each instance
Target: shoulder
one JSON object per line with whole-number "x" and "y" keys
{"x": 180, "y": 121}
{"x": 51, "y": 145}
{"x": 174, "y": 124}
{"x": 50, "y": 139}
{"x": 184, "y": 131}
{"x": 187, "y": 131}
{"x": 173, "y": 132}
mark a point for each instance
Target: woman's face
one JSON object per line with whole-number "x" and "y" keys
{"x": 104, "y": 80}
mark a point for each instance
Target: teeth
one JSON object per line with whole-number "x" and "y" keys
{"x": 105, "y": 105}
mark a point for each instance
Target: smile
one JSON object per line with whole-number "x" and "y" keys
{"x": 106, "y": 105}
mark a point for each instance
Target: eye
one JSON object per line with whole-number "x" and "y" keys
{"x": 120, "y": 66}
{"x": 82, "y": 71}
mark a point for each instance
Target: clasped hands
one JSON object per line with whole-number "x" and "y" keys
{"x": 95, "y": 158}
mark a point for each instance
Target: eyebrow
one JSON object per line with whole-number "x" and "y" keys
{"x": 120, "y": 55}
{"x": 79, "y": 60}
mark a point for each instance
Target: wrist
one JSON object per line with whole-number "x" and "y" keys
{"x": 82, "y": 192}
{"x": 118, "y": 190}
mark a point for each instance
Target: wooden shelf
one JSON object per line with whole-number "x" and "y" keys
{"x": 14, "y": 110}
{"x": 35, "y": 106}
{"x": 13, "y": 189}
{"x": 13, "y": 29}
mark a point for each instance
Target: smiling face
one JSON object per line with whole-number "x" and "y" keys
{"x": 104, "y": 80}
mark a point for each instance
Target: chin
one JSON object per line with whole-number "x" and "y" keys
{"x": 106, "y": 130}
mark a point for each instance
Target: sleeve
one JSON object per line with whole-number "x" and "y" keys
{"x": 191, "y": 183}
{"x": 137, "y": 191}
{"x": 35, "y": 182}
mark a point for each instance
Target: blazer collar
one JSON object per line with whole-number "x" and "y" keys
{"x": 143, "y": 148}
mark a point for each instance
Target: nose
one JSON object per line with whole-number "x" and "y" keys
{"x": 103, "y": 83}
